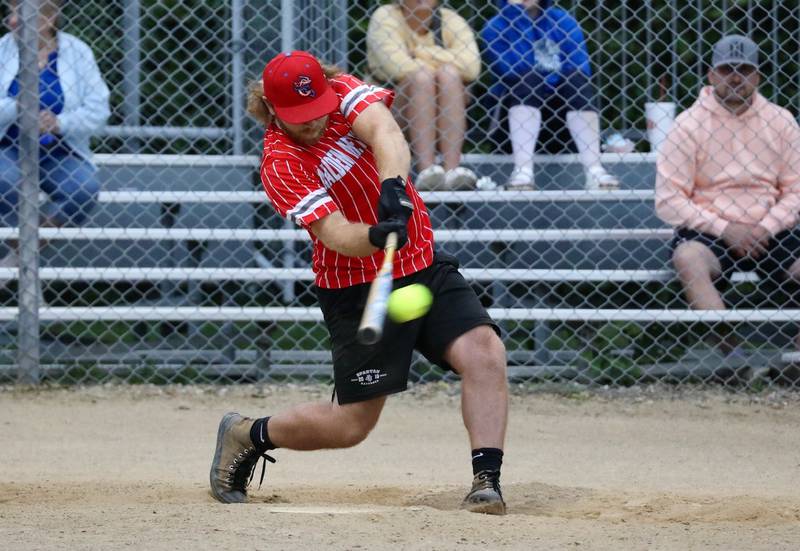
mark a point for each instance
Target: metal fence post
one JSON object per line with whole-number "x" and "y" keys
{"x": 287, "y": 25}
{"x": 237, "y": 82}
{"x": 28, "y": 117}
{"x": 131, "y": 68}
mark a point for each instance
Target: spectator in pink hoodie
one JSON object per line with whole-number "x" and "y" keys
{"x": 728, "y": 179}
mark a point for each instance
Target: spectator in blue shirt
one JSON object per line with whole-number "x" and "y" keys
{"x": 537, "y": 53}
{"x": 73, "y": 103}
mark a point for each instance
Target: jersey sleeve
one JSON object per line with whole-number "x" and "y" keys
{"x": 356, "y": 95}
{"x": 296, "y": 194}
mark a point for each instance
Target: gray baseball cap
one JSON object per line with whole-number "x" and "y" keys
{"x": 735, "y": 49}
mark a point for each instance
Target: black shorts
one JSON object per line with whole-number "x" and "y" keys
{"x": 362, "y": 372}
{"x": 782, "y": 251}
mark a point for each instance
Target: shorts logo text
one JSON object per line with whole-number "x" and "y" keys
{"x": 368, "y": 377}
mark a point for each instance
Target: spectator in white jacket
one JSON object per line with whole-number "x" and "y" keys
{"x": 73, "y": 104}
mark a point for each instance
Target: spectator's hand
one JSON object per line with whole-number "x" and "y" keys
{"x": 739, "y": 237}
{"x": 394, "y": 202}
{"x": 48, "y": 123}
{"x": 435, "y": 56}
{"x": 760, "y": 237}
{"x": 380, "y": 231}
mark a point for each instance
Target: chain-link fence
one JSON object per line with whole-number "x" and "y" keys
{"x": 163, "y": 262}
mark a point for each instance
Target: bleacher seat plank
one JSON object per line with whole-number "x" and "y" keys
{"x": 246, "y": 234}
{"x": 430, "y": 197}
{"x": 299, "y": 314}
{"x": 305, "y": 274}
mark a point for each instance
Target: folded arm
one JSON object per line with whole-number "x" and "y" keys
{"x": 460, "y": 48}
{"x": 389, "y": 52}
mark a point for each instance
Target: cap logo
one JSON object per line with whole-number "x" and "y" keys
{"x": 303, "y": 87}
{"x": 737, "y": 49}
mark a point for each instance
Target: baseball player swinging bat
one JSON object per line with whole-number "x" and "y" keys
{"x": 371, "y": 327}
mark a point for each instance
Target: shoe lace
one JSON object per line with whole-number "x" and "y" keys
{"x": 247, "y": 461}
{"x": 487, "y": 480}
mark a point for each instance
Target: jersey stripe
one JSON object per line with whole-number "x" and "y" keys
{"x": 354, "y": 96}
{"x": 307, "y": 205}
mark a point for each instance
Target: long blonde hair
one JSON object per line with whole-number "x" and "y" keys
{"x": 256, "y": 104}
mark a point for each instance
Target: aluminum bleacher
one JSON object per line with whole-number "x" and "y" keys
{"x": 200, "y": 189}
{"x": 191, "y": 219}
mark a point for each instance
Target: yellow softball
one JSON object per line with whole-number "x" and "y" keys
{"x": 409, "y": 303}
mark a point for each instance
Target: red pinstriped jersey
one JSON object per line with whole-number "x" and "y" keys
{"x": 307, "y": 182}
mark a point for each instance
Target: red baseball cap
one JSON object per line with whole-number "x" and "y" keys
{"x": 295, "y": 85}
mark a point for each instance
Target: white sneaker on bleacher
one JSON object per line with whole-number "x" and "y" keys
{"x": 430, "y": 179}
{"x": 521, "y": 179}
{"x": 486, "y": 183}
{"x": 597, "y": 178}
{"x": 459, "y": 179}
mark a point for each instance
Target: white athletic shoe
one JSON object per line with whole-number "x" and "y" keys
{"x": 598, "y": 178}
{"x": 460, "y": 179}
{"x": 521, "y": 179}
{"x": 430, "y": 179}
{"x": 486, "y": 183}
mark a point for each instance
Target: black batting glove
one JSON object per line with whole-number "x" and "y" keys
{"x": 380, "y": 232}
{"x": 393, "y": 200}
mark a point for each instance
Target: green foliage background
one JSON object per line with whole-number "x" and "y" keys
{"x": 640, "y": 50}
{"x": 655, "y": 50}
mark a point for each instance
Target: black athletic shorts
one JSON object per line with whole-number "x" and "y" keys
{"x": 362, "y": 372}
{"x": 782, "y": 251}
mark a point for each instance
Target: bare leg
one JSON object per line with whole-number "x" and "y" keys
{"x": 696, "y": 266}
{"x": 480, "y": 358}
{"x": 451, "y": 119}
{"x": 417, "y": 95}
{"x": 305, "y": 427}
{"x": 315, "y": 426}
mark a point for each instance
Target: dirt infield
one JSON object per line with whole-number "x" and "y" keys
{"x": 127, "y": 467}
